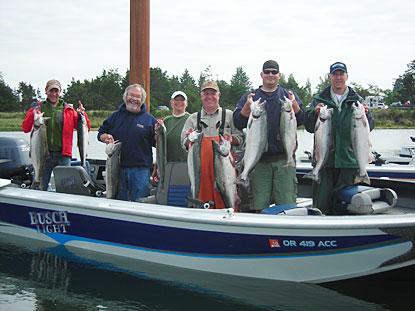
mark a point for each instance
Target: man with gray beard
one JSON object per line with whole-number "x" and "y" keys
{"x": 134, "y": 127}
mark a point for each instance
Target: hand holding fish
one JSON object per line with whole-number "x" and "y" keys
{"x": 246, "y": 109}
{"x": 291, "y": 97}
{"x": 317, "y": 108}
{"x": 107, "y": 138}
{"x": 366, "y": 107}
{"x": 159, "y": 122}
{"x": 80, "y": 108}
{"x": 191, "y": 135}
{"x": 228, "y": 137}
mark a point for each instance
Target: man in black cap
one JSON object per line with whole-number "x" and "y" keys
{"x": 340, "y": 169}
{"x": 271, "y": 180}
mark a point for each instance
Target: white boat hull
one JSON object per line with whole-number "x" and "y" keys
{"x": 288, "y": 248}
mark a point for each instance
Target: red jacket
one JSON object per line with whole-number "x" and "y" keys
{"x": 70, "y": 122}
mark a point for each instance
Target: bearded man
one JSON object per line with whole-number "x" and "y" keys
{"x": 134, "y": 128}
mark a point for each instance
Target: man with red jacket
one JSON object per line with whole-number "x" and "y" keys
{"x": 63, "y": 120}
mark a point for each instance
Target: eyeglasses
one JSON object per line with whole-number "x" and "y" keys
{"x": 274, "y": 72}
{"x": 134, "y": 95}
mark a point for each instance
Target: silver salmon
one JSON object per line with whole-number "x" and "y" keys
{"x": 256, "y": 142}
{"x": 112, "y": 169}
{"x": 225, "y": 173}
{"x": 360, "y": 141}
{"x": 323, "y": 142}
{"x": 39, "y": 150}
{"x": 288, "y": 131}
{"x": 194, "y": 165}
{"x": 161, "y": 155}
{"x": 82, "y": 133}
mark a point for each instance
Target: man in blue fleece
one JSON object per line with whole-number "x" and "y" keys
{"x": 134, "y": 127}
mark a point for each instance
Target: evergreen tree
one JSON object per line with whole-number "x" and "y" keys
{"x": 27, "y": 95}
{"x": 240, "y": 84}
{"x": 8, "y": 99}
{"x": 160, "y": 90}
{"x": 404, "y": 86}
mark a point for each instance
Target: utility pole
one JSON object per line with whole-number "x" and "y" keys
{"x": 140, "y": 45}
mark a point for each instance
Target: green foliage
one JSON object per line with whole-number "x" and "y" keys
{"x": 303, "y": 92}
{"x": 404, "y": 86}
{"x": 103, "y": 92}
{"x": 324, "y": 83}
{"x": 394, "y": 118}
{"x": 8, "y": 99}
{"x": 27, "y": 95}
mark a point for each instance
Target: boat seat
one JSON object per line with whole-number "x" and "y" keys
{"x": 176, "y": 185}
{"x": 75, "y": 180}
{"x": 365, "y": 200}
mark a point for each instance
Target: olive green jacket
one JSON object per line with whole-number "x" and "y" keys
{"x": 342, "y": 155}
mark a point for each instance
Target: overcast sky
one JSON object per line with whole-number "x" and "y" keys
{"x": 45, "y": 39}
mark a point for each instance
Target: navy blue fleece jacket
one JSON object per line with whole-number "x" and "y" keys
{"x": 135, "y": 131}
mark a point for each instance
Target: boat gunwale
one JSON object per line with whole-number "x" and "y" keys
{"x": 223, "y": 217}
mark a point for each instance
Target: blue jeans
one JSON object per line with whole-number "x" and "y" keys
{"x": 135, "y": 183}
{"x": 56, "y": 158}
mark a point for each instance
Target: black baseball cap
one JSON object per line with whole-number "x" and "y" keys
{"x": 338, "y": 66}
{"x": 270, "y": 64}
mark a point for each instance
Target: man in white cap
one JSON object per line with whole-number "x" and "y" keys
{"x": 63, "y": 120}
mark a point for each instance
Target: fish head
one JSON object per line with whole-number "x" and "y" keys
{"x": 325, "y": 113}
{"x": 223, "y": 147}
{"x": 358, "y": 110}
{"x": 39, "y": 119}
{"x": 257, "y": 108}
{"x": 286, "y": 105}
{"x": 113, "y": 148}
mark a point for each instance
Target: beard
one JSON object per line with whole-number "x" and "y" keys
{"x": 133, "y": 106}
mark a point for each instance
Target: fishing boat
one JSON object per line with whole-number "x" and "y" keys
{"x": 400, "y": 167}
{"x": 288, "y": 243}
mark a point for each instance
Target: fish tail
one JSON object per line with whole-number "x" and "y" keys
{"x": 362, "y": 179}
{"x": 244, "y": 182}
{"x": 313, "y": 176}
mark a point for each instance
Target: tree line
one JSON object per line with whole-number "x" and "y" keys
{"x": 105, "y": 92}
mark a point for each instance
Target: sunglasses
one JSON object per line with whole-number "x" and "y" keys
{"x": 274, "y": 72}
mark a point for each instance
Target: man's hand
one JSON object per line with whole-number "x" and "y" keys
{"x": 296, "y": 106}
{"x": 317, "y": 108}
{"x": 80, "y": 108}
{"x": 246, "y": 109}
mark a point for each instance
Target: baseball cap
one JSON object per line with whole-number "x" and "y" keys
{"x": 178, "y": 93}
{"x": 270, "y": 64}
{"x": 53, "y": 84}
{"x": 338, "y": 66}
{"x": 210, "y": 85}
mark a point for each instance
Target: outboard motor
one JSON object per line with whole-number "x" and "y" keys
{"x": 14, "y": 159}
{"x": 365, "y": 200}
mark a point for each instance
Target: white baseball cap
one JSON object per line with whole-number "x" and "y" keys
{"x": 177, "y": 93}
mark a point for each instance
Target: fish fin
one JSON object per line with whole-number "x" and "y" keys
{"x": 362, "y": 179}
{"x": 243, "y": 182}
{"x": 314, "y": 177}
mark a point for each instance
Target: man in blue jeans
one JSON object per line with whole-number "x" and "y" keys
{"x": 134, "y": 127}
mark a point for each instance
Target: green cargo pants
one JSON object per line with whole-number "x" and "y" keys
{"x": 331, "y": 181}
{"x": 273, "y": 183}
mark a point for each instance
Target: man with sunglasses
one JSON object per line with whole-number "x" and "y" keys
{"x": 271, "y": 181}
{"x": 340, "y": 169}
